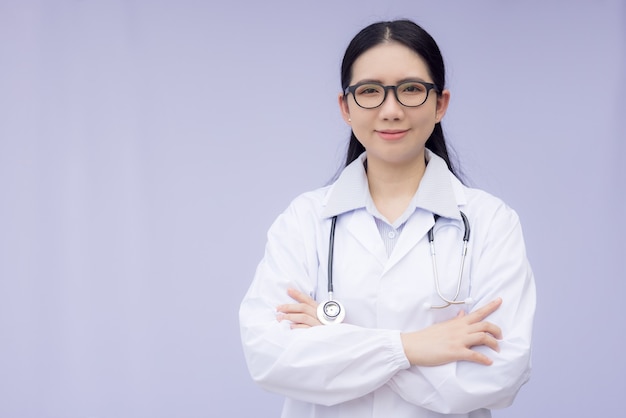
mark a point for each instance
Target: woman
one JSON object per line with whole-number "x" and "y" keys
{"x": 410, "y": 334}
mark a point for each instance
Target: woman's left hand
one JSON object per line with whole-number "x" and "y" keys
{"x": 302, "y": 314}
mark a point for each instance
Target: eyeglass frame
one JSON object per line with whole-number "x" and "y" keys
{"x": 352, "y": 89}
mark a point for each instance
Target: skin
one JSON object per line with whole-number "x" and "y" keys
{"x": 395, "y": 137}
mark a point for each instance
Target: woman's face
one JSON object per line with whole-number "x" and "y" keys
{"x": 393, "y": 133}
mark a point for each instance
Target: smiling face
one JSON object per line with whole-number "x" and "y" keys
{"x": 392, "y": 133}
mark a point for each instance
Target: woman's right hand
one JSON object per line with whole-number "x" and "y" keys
{"x": 302, "y": 314}
{"x": 453, "y": 340}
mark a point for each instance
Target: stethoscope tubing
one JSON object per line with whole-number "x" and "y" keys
{"x": 339, "y": 312}
{"x": 331, "y": 249}
{"x": 431, "y": 241}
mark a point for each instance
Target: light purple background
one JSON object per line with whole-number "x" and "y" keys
{"x": 146, "y": 146}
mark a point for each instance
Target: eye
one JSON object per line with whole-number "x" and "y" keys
{"x": 369, "y": 90}
{"x": 412, "y": 88}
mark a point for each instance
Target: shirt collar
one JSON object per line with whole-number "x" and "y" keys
{"x": 439, "y": 191}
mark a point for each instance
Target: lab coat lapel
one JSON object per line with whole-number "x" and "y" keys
{"x": 415, "y": 230}
{"x": 362, "y": 227}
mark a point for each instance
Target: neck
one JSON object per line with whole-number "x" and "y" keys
{"x": 392, "y": 186}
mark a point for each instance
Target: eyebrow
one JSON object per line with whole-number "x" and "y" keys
{"x": 404, "y": 80}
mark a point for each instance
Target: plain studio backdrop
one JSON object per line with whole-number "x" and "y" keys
{"x": 146, "y": 147}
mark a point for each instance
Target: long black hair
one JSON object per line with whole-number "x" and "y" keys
{"x": 417, "y": 39}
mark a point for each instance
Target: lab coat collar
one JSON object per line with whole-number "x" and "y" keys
{"x": 439, "y": 191}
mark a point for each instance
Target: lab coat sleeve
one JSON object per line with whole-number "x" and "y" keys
{"x": 325, "y": 364}
{"x": 502, "y": 270}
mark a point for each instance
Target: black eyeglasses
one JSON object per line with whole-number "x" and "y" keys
{"x": 370, "y": 95}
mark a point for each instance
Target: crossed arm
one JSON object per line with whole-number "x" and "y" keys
{"x": 438, "y": 344}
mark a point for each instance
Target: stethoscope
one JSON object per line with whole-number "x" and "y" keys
{"x": 333, "y": 312}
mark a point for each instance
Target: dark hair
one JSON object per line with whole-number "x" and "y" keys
{"x": 417, "y": 39}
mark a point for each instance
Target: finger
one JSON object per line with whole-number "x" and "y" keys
{"x": 476, "y": 357}
{"x": 296, "y": 308}
{"x": 301, "y": 319}
{"x": 293, "y": 325}
{"x": 485, "y": 339}
{"x": 301, "y": 297}
{"x": 485, "y": 326}
{"x": 488, "y": 327}
{"x": 482, "y": 313}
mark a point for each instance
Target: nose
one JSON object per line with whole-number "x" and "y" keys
{"x": 391, "y": 107}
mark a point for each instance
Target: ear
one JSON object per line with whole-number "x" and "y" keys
{"x": 442, "y": 105}
{"x": 343, "y": 107}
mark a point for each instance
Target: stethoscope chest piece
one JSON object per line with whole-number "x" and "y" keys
{"x": 330, "y": 312}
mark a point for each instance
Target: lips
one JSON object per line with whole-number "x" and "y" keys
{"x": 392, "y": 134}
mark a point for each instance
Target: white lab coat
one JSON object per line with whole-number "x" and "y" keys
{"x": 358, "y": 368}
